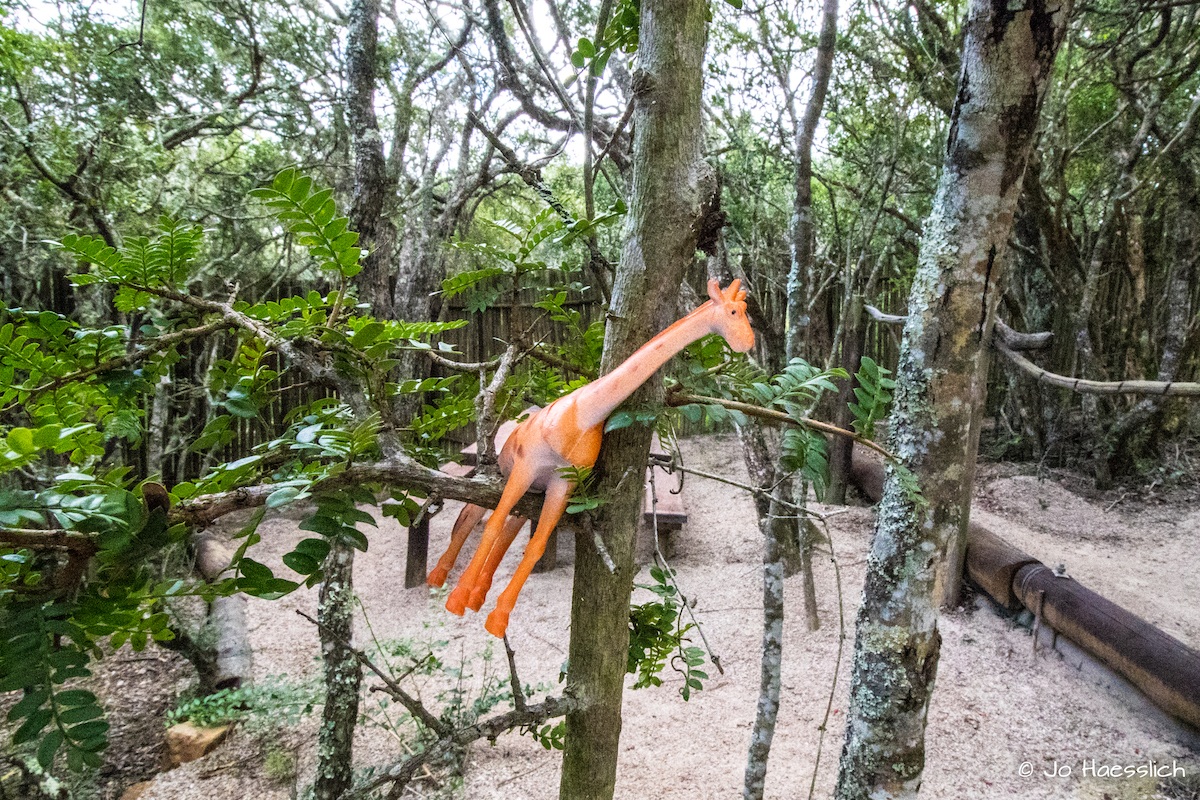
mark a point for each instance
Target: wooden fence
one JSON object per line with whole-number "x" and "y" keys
{"x": 485, "y": 337}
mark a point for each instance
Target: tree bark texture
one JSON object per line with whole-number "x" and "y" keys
{"x": 770, "y": 679}
{"x": 669, "y": 186}
{"x": 916, "y": 556}
{"x": 800, "y": 281}
{"x": 372, "y": 186}
{"x": 343, "y": 676}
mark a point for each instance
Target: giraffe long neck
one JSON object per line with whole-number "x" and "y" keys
{"x": 601, "y": 397}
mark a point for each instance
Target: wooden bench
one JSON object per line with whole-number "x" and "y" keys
{"x": 669, "y": 512}
{"x": 670, "y": 515}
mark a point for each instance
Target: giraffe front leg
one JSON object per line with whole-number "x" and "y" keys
{"x": 557, "y": 494}
{"x": 518, "y": 483}
{"x": 512, "y": 526}
{"x": 468, "y": 518}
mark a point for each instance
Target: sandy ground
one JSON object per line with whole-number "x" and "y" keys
{"x": 997, "y": 706}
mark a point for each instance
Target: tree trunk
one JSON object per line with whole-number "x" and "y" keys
{"x": 156, "y": 442}
{"x": 1177, "y": 299}
{"x": 800, "y": 281}
{"x": 853, "y": 338}
{"x": 1008, "y": 56}
{"x": 372, "y": 187}
{"x": 670, "y": 186}
{"x": 772, "y": 655}
{"x": 343, "y": 675}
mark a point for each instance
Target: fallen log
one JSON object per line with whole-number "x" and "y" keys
{"x": 232, "y": 665}
{"x": 1164, "y": 669}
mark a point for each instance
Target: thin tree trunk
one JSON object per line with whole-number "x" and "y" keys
{"x": 372, "y": 187}
{"x": 1008, "y": 57}
{"x": 343, "y": 676}
{"x": 853, "y": 340}
{"x": 772, "y": 659}
{"x": 670, "y": 186}
{"x": 156, "y": 445}
{"x": 800, "y": 281}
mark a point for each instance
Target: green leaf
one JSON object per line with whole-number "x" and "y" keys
{"x": 299, "y": 562}
{"x": 281, "y": 497}
{"x": 28, "y": 704}
{"x": 586, "y": 48}
{"x": 80, "y": 714}
{"x": 88, "y": 730}
{"x": 621, "y": 419}
{"x": 316, "y": 549}
{"x": 75, "y": 697}
{"x": 367, "y": 334}
{"x": 49, "y": 748}
{"x": 20, "y": 440}
{"x": 33, "y": 726}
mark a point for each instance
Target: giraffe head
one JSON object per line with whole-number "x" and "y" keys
{"x": 729, "y": 315}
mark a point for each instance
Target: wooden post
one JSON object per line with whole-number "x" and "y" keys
{"x": 549, "y": 560}
{"x": 416, "y": 565}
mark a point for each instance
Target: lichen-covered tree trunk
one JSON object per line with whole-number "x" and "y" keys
{"x": 770, "y": 677}
{"x": 670, "y": 181}
{"x": 343, "y": 676}
{"x": 915, "y": 559}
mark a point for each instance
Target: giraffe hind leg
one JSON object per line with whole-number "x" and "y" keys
{"x": 557, "y": 495}
{"x": 512, "y": 526}
{"x": 518, "y": 483}
{"x": 468, "y": 518}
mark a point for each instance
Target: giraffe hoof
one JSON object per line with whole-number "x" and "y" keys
{"x": 456, "y": 603}
{"x": 476, "y": 600}
{"x": 437, "y": 577}
{"x": 497, "y": 623}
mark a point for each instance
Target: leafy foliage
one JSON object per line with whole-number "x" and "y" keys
{"x": 657, "y": 635}
{"x": 874, "y": 394}
{"x": 93, "y": 570}
{"x": 272, "y": 701}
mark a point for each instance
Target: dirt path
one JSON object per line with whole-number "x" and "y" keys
{"x": 996, "y": 705}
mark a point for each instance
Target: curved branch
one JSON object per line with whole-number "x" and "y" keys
{"x": 400, "y": 470}
{"x": 1083, "y": 386}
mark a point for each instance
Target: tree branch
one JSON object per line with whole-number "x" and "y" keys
{"x": 414, "y": 706}
{"x": 680, "y": 399}
{"x": 1083, "y": 386}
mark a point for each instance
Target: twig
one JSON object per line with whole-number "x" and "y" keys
{"x": 681, "y": 399}
{"x": 670, "y": 575}
{"x": 403, "y": 771}
{"x": 461, "y": 366}
{"x": 518, "y": 694}
{"x": 38, "y": 539}
{"x": 1037, "y": 618}
{"x": 555, "y": 361}
{"x": 837, "y": 663}
{"x": 414, "y": 706}
{"x": 149, "y": 348}
{"x": 886, "y": 319}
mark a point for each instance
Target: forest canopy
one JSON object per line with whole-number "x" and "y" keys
{"x": 258, "y": 254}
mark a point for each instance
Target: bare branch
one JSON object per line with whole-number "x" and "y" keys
{"x": 680, "y": 399}
{"x": 414, "y": 706}
{"x": 1083, "y": 386}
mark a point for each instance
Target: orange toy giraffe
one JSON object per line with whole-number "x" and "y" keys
{"x": 565, "y": 434}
